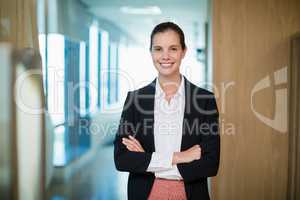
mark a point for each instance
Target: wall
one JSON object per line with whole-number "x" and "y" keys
{"x": 5, "y": 122}
{"x": 294, "y": 121}
{"x": 14, "y": 27}
{"x": 30, "y": 154}
{"x": 251, "y": 41}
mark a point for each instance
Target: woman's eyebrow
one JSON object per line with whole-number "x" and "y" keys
{"x": 175, "y": 45}
{"x": 156, "y": 46}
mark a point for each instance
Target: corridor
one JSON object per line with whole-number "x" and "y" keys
{"x": 96, "y": 180}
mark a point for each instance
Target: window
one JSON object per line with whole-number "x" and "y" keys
{"x": 104, "y": 60}
{"x": 80, "y": 77}
{"x": 93, "y": 69}
{"x": 65, "y": 74}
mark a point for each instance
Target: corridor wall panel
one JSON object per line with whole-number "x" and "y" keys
{"x": 251, "y": 58}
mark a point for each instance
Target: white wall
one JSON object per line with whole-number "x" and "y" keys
{"x": 5, "y": 119}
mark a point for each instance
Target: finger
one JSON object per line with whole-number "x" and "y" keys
{"x": 199, "y": 153}
{"x": 128, "y": 141}
{"x": 135, "y": 141}
{"x": 197, "y": 147}
{"x": 131, "y": 144}
{"x": 130, "y": 147}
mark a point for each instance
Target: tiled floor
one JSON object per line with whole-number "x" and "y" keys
{"x": 98, "y": 181}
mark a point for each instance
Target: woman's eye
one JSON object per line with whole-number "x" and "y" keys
{"x": 174, "y": 49}
{"x": 157, "y": 49}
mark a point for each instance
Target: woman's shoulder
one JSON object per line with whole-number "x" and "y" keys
{"x": 195, "y": 89}
{"x": 147, "y": 89}
{"x": 189, "y": 87}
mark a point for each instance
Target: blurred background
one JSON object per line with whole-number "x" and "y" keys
{"x": 92, "y": 54}
{"x": 67, "y": 65}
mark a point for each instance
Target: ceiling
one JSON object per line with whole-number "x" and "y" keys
{"x": 189, "y": 14}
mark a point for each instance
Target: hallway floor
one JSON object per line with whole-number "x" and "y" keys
{"x": 98, "y": 181}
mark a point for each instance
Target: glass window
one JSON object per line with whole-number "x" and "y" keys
{"x": 59, "y": 158}
{"x": 113, "y": 74}
{"x": 93, "y": 69}
{"x": 82, "y": 78}
{"x": 56, "y": 77}
{"x": 104, "y": 37}
{"x": 65, "y": 73}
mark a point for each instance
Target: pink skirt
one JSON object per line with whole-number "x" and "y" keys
{"x": 164, "y": 189}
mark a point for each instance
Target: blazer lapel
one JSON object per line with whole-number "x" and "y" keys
{"x": 147, "y": 98}
{"x": 187, "y": 113}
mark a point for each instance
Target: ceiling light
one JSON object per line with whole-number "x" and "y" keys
{"x": 148, "y": 10}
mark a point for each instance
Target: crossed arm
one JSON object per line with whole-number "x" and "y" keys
{"x": 201, "y": 160}
{"x": 187, "y": 156}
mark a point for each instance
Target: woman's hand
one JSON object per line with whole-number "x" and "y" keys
{"x": 132, "y": 144}
{"x": 189, "y": 155}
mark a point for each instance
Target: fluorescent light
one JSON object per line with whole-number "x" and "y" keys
{"x": 148, "y": 10}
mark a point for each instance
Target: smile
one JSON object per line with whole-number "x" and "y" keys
{"x": 166, "y": 65}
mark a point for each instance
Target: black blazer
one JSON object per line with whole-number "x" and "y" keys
{"x": 200, "y": 126}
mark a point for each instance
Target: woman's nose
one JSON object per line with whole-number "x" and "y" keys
{"x": 165, "y": 55}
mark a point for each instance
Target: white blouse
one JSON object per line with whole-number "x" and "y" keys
{"x": 168, "y": 120}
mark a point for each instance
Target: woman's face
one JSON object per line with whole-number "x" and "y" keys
{"x": 167, "y": 53}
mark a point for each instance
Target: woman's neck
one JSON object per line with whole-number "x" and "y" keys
{"x": 170, "y": 84}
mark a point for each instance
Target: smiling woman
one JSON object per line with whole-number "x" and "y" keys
{"x": 154, "y": 142}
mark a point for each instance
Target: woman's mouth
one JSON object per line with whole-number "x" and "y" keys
{"x": 166, "y": 65}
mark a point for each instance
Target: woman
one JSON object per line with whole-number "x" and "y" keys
{"x": 168, "y": 134}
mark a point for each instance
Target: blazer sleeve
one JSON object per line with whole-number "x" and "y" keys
{"x": 208, "y": 164}
{"x": 126, "y": 160}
